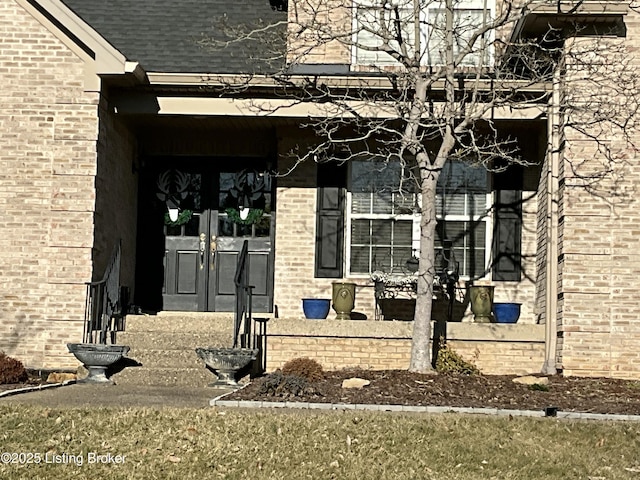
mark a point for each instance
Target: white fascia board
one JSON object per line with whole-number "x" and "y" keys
{"x": 106, "y": 58}
{"x": 220, "y": 107}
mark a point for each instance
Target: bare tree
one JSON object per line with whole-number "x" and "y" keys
{"x": 428, "y": 80}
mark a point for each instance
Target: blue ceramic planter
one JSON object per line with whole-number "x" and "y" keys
{"x": 317, "y": 308}
{"x": 506, "y": 312}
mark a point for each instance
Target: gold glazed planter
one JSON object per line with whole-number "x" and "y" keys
{"x": 481, "y": 297}
{"x": 344, "y": 299}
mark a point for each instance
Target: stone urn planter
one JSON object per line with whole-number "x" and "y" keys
{"x": 481, "y": 297}
{"x": 344, "y": 299}
{"x": 226, "y": 363}
{"x": 97, "y": 358}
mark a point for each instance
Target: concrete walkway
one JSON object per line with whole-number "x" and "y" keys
{"x": 88, "y": 395}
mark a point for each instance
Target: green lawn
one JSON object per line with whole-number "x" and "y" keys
{"x": 209, "y": 443}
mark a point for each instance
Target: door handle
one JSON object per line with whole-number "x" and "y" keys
{"x": 213, "y": 248}
{"x": 203, "y": 247}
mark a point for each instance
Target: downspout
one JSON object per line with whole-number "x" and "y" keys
{"x": 555, "y": 130}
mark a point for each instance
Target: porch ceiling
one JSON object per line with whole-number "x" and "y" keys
{"x": 195, "y": 123}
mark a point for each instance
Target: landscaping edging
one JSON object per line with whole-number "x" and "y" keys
{"x": 35, "y": 388}
{"x": 218, "y": 402}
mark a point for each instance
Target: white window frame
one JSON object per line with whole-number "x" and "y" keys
{"x": 361, "y": 57}
{"x": 485, "y": 216}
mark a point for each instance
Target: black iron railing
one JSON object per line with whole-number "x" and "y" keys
{"x": 244, "y": 323}
{"x": 244, "y": 292}
{"x": 106, "y": 304}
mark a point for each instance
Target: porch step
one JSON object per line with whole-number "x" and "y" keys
{"x": 163, "y": 347}
{"x": 180, "y": 322}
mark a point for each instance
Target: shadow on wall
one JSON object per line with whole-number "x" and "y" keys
{"x": 403, "y": 309}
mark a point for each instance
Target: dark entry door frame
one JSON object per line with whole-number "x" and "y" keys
{"x": 203, "y": 237}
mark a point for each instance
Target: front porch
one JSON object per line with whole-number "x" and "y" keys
{"x": 164, "y": 345}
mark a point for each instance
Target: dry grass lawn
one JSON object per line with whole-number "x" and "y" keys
{"x": 210, "y": 443}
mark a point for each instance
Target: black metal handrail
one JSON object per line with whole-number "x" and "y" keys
{"x": 243, "y": 307}
{"x": 249, "y": 332}
{"x": 106, "y": 303}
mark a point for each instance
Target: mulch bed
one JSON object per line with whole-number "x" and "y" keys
{"x": 399, "y": 387}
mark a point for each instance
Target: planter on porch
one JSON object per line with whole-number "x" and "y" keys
{"x": 97, "y": 358}
{"x": 481, "y": 297}
{"x": 344, "y": 299}
{"x": 226, "y": 363}
{"x": 507, "y": 312}
{"x": 316, "y": 308}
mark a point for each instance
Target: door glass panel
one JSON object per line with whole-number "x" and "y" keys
{"x": 192, "y": 227}
{"x": 263, "y": 227}
{"x": 243, "y": 230}
{"x": 180, "y": 192}
{"x": 225, "y": 227}
{"x": 244, "y": 204}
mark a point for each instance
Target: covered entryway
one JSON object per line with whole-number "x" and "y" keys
{"x": 195, "y": 213}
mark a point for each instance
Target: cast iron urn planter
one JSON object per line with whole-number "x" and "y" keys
{"x": 226, "y": 363}
{"x": 97, "y": 358}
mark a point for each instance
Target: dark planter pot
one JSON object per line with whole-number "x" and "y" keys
{"x": 317, "y": 308}
{"x": 506, "y": 312}
{"x": 226, "y": 363}
{"x": 97, "y": 358}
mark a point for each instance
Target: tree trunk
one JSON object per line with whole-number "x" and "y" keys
{"x": 420, "y": 347}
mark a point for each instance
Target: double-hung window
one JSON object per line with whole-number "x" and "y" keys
{"x": 462, "y": 206}
{"x": 381, "y": 215}
{"x": 384, "y": 223}
{"x": 383, "y": 25}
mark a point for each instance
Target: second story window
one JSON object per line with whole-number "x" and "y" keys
{"x": 385, "y": 26}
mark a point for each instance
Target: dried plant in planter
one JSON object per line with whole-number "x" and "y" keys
{"x": 11, "y": 370}
{"x": 449, "y": 361}
{"x": 304, "y": 367}
{"x": 278, "y": 384}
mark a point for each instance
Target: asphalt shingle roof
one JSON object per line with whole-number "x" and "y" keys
{"x": 162, "y": 35}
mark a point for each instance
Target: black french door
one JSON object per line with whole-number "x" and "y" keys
{"x": 207, "y": 210}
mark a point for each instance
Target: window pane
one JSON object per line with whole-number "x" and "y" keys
{"x": 360, "y": 259}
{"x": 466, "y": 22}
{"x": 360, "y": 202}
{"x": 479, "y": 235}
{"x": 404, "y": 204}
{"x": 477, "y": 204}
{"x": 452, "y": 204}
{"x": 360, "y": 234}
{"x": 381, "y": 259}
{"x": 383, "y": 202}
{"x": 381, "y": 232}
{"x": 469, "y": 244}
{"x": 402, "y": 233}
{"x": 400, "y": 257}
{"x": 377, "y": 24}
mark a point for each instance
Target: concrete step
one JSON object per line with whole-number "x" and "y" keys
{"x": 138, "y": 341}
{"x": 164, "y": 347}
{"x": 167, "y": 358}
{"x": 180, "y": 322}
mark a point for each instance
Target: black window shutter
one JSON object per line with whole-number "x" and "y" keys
{"x": 330, "y": 221}
{"x": 507, "y": 236}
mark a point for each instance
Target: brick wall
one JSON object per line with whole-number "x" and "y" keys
{"x": 116, "y": 196}
{"x": 295, "y": 240}
{"x": 600, "y": 250}
{"x": 48, "y": 132}
{"x": 495, "y": 349}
